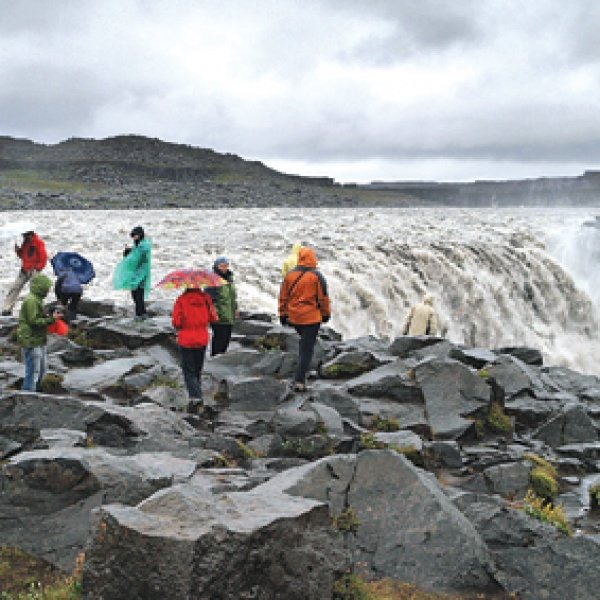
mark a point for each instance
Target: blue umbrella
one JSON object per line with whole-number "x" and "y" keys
{"x": 81, "y": 266}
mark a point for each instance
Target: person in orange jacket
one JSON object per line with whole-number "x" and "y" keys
{"x": 304, "y": 304}
{"x": 192, "y": 313}
{"x": 32, "y": 253}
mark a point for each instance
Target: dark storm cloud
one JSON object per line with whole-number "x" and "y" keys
{"x": 318, "y": 81}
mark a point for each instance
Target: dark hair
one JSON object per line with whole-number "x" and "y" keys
{"x": 137, "y": 231}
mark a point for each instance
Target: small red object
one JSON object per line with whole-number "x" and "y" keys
{"x": 59, "y": 327}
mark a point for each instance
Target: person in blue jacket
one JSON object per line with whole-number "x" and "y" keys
{"x": 68, "y": 290}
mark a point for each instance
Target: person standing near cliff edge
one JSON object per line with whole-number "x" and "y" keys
{"x": 224, "y": 298}
{"x": 32, "y": 253}
{"x": 134, "y": 271}
{"x": 304, "y": 304}
{"x": 422, "y": 318}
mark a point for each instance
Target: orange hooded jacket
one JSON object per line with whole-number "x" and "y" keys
{"x": 303, "y": 298}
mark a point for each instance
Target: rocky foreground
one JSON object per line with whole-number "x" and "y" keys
{"x": 407, "y": 460}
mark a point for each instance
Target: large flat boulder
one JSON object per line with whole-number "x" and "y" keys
{"x": 404, "y": 345}
{"x": 452, "y": 392}
{"x": 190, "y": 543}
{"x": 112, "y": 333}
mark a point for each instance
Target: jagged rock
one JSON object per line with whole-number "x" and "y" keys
{"x": 530, "y": 356}
{"x": 344, "y": 403}
{"x": 409, "y": 416}
{"x": 167, "y": 397}
{"x": 78, "y": 356}
{"x": 252, "y": 327}
{"x": 349, "y": 364}
{"x": 235, "y": 423}
{"x": 533, "y": 560}
{"x": 104, "y": 374}
{"x": 530, "y": 412}
{"x": 586, "y": 452}
{"x": 400, "y": 439}
{"x": 452, "y": 392}
{"x": 584, "y": 386}
{"x": 573, "y": 426}
{"x": 11, "y": 373}
{"x": 439, "y": 351}
{"x": 189, "y": 543}
{"x": 61, "y": 438}
{"x": 46, "y": 496}
{"x": 444, "y": 454}
{"x": 367, "y": 343}
{"x": 255, "y": 393}
{"x": 8, "y": 448}
{"x": 510, "y": 480}
{"x": 98, "y": 308}
{"x": 132, "y": 334}
{"x": 514, "y": 376}
{"x": 473, "y": 357}
{"x": 389, "y": 381}
{"x": 328, "y": 417}
{"x": 268, "y": 444}
{"x": 383, "y": 487}
{"x": 402, "y": 346}
{"x": 294, "y": 422}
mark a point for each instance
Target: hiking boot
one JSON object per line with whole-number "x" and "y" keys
{"x": 299, "y": 387}
{"x": 195, "y": 406}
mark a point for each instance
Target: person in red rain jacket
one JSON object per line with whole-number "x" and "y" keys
{"x": 32, "y": 253}
{"x": 192, "y": 313}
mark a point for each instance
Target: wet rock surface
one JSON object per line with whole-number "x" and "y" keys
{"x": 408, "y": 461}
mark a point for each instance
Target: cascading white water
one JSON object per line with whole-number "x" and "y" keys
{"x": 499, "y": 277}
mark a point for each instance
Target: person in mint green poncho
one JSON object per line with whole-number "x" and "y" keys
{"x": 133, "y": 272}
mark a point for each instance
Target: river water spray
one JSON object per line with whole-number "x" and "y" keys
{"x": 500, "y": 277}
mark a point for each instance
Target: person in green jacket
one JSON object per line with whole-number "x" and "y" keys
{"x": 32, "y": 332}
{"x": 134, "y": 271}
{"x": 225, "y": 301}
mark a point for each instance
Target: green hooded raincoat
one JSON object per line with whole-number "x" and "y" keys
{"x": 33, "y": 322}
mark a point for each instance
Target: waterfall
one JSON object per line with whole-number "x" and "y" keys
{"x": 499, "y": 276}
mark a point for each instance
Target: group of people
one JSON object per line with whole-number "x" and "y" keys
{"x": 303, "y": 304}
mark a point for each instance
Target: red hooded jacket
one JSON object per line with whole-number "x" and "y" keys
{"x": 192, "y": 313}
{"x": 33, "y": 254}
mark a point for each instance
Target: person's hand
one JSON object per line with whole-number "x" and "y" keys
{"x": 283, "y": 320}
{"x": 325, "y": 319}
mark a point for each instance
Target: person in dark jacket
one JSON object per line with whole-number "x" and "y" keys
{"x": 225, "y": 301}
{"x": 68, "y": 290}
{"x": 32, "y": 332}
{"x": 304, "y": 304}
{"x": 32, "y": 253}
{"x": 192, "y": 313}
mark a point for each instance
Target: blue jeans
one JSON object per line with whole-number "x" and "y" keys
{"x": 35, "y": 360}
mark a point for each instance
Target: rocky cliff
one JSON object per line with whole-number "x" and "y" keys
{"x": 419, "y": 461}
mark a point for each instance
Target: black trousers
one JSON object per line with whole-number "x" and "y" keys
{"x": 70, "y": 302}
{"x": 138, "y": 298}
{"x": 221, "y": 338}
{"x": 192, "y": 361}
{"x": 308, "y": 338}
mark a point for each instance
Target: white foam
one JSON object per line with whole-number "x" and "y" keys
{"x": 495, "y": 273}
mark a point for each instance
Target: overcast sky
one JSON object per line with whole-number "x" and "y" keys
{"x": 355, "y": 89}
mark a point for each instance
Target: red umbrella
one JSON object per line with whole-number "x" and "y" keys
{"x": 190, "y": 278}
